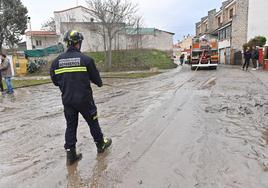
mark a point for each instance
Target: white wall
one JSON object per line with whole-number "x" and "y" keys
{"x": 45, "y": 40}
{"x": 224, "y": 44}
{"x": 92, "y": 40}
{"x": 186, "y": 43}
{"x": 29, "y": 43}
{"x": 257, "y": 19}
{"x": 160, "y": 40}
{"x": 78, "y": 14}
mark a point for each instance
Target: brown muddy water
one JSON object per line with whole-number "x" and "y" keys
{"x": 181, "y": 129}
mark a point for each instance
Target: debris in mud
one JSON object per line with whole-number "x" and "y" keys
{"x": 265, "y": 136}
{"x": 117, "y": 94}
{"x": 5, "y": 109}
{"x": 246, "y": 110}
{"x": 7, "y": 130}
{"x": 218, "y": 108}
{"x": 265, "y": 166}
{"x": 208, "y": 84}
{"x": 140, "y": 182}
{"x": 241, "y": 110}
{"x": 266, "y": 111}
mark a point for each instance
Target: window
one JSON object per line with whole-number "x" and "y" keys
{"x": 225, "y": 33}
{"x": 38, "y": 42}
{"x": 231, "y": 13}
{"x": 219, "y": 21}
{"x": 228, "y": 32}
{"x": 206, "y": 27}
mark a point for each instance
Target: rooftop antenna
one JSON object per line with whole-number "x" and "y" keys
{"x": 77, "y": 2}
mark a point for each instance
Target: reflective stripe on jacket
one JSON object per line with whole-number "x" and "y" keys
{"x": 72, "y": 72}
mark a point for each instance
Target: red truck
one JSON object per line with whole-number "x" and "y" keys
{"x": 204, "y": 53}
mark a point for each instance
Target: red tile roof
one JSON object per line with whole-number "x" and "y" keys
{"x": 40, "y": 33}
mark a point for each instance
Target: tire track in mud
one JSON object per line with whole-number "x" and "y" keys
{"x": 25, "y": 132}
{"x": 36, "y": 127}
{"x": 133, "y": 118}
{"x": 112, "y": 176}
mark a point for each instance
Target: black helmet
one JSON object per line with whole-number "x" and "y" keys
{"x": 72, "y": 37}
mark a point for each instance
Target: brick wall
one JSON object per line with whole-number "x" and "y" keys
{"x": 239, "y": 25}
{"x": 212, "y": 21}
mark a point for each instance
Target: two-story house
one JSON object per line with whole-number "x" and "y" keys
{"x": 237, "y": 22}
{"x": 224, "y": 21}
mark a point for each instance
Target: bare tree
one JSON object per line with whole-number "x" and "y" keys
{"x": 49, "y": 25}
{"x": 138, "y": 34}
{"x": 114, "y": 16}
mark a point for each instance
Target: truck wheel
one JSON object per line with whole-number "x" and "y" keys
{"x": 193, "y": 68}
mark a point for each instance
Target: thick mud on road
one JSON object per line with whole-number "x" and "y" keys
{"x": 180, "y": 129}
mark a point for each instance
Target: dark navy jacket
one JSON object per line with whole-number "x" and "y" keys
{"x": 72, "y": 72}
{"x": 247, "y": 55}
{"x": 255, "y": 54}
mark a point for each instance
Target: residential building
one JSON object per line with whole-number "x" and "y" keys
{"x": 40, "y": 39}
{"x": 72, "y": 15}
{"x": 207, "y": 25}
{"x": 186, "y": 43}
{"x": 149, "y": 38}
{"x": 129, "y": 38}
{"x": 237, "y": 22}
{"x": 93, "y": 39}
{"x": 176, "y": 52}
{"x": 79, "y": 19}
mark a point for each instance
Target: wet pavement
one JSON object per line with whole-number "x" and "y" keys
{"x": 204, "y": 129}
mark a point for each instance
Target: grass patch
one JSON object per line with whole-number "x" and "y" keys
{"x": 131, "y": 60}
{"x": 124, "y": 60}
{"x": 26, "y": 83}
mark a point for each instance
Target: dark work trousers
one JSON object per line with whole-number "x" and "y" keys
{"x": 254, "y": 62}
{"x": 71, "y": 113}
{"x": 1, "y": 83}
{"x": 246, "y": 64}
{"x": 181, "y": 61}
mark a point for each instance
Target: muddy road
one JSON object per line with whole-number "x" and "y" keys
{"x": 180, "y": 129}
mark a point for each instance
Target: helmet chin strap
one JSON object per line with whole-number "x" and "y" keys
{"x": 80, "y": 45}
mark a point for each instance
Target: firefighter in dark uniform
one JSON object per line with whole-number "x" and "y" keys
{"x": 72, "y": 72}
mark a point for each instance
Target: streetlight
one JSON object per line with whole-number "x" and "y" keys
{"x": 30, "y": 28}
{"x": 1, "y": 7}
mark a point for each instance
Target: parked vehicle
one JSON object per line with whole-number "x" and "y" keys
{"x": 204, "y": 53}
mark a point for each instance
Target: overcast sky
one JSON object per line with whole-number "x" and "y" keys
{"x": 178, "y": 16}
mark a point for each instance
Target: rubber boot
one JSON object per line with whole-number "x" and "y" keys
{"x": 102, "y": 146}
{"x": 72, "y": 157}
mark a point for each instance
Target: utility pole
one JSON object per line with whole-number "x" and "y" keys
{"x": 1, "y": 7}
{"x": 30, "y": 28}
